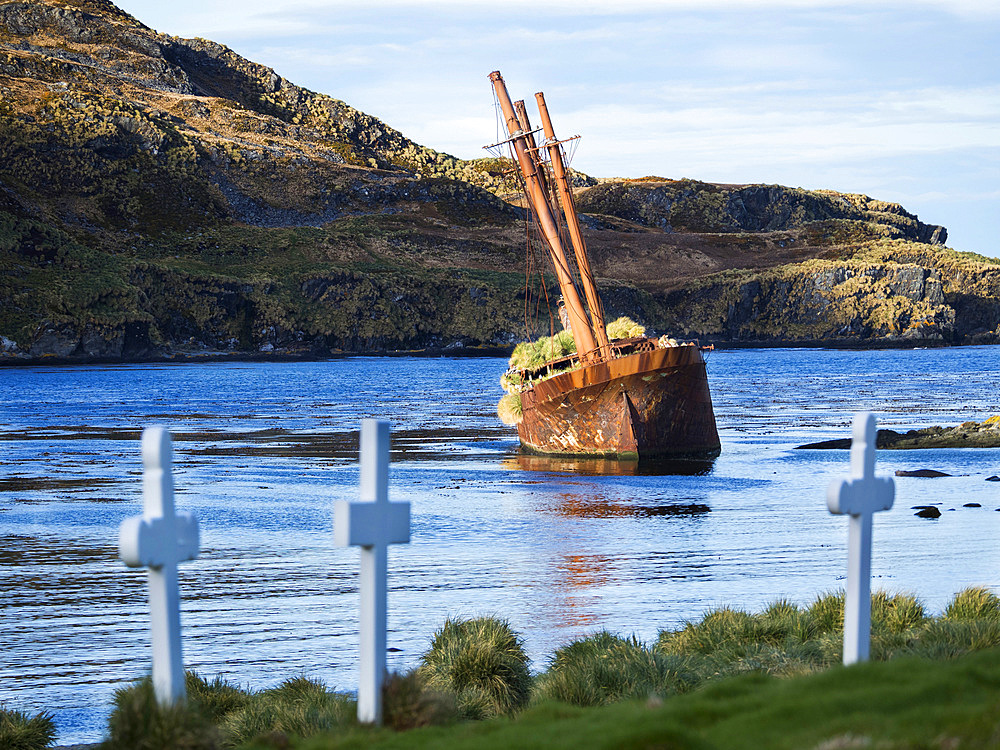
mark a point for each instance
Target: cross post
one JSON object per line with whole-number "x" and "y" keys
{"x": 158, "y": 540}
{"x": 860, "y": 497}
{"x": 373, "y": 524}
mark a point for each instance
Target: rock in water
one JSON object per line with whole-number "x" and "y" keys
{"x": 994, "y": 478}
{"x": 928, "y": 511}
{"x": 972, "y": 505}
{"x": 926, "y": 473}
{"x": 985, "y": 434}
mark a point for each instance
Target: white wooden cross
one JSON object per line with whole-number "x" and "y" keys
{"x": 158, "y": 540}
{"x": 860, "y": 497}
{"x": 373, "y": 524}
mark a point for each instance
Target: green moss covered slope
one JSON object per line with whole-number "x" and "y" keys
{"x": 162, "y": 195}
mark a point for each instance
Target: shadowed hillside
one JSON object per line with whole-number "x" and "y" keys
{"x": 162, "y": 195}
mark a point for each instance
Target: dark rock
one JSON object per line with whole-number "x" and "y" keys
{"x": 926, "y": 473}
{"x": 928, "y": 511}
{"x": 55, "y": 340}
{"x": 685, "y": 509}
{"x": 883, "y": 439}
{"x": 966, "y": 435}
{"x": 972, "y": 505}
{"x": 994, "y": 478}
{"x": 841, "y": 444}
{"x": 95, "y": 342}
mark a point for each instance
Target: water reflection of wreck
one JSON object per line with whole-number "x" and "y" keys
{"x": 603, "y": 466}
{"x": 627, "y": 398}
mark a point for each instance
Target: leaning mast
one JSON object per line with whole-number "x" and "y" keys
{"x": 580, "y": 324}
{"x": 573, "y": 224}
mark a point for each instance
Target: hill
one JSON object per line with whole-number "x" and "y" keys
{"x": 163, "y": 196}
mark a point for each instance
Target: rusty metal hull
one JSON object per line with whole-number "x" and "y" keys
{"x": 650, "y": 404}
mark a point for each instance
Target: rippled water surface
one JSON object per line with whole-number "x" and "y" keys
{"x": 560, "y": 548}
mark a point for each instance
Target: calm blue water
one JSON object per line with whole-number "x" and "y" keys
{"x": 561, "y": 549}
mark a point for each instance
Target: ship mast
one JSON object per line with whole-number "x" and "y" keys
{"x": 580, "y": 325}
{"x": 529, "y": 138}
{"x": 573, "y": 224}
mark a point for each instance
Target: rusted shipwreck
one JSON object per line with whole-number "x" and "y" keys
{"x": 638, "y": 397}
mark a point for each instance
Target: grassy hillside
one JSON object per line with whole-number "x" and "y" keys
{"x": 162, "y": 195}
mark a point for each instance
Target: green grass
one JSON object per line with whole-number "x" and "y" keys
{"x": 482, "y": 663}
{"x": 729, "y": 679}
{"x": 532, "y": 356}
{"x": 607, "y": 668}
{"x": 19, "y": 731}
{"x": 509, "y": 409}
{"x": 215, "y": 699}
{"x": 975, "y": 603}
{"x": 139, "y": 722}
{"x": 298, "y": 707}
{"x": 905, "y": 704}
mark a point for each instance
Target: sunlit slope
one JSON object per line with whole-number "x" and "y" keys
{"x": 163, "y": 195}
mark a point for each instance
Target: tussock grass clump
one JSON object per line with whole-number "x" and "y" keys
{"x": 785, "y": 640}
{"x": 827, "y": 612}
{"x": 781, "y": 640}
{"x": 530, "y": 355}
{"x": 19, "y": 731}
{"x": 218, "y": 715}
{"x": 782, "y": 621}
{"x": 898, "y": 614}
{"x": 408, "y": 703}
{"x": 974, "y": 603}
{"x": 298, "y": 707}
{"x": 946, "y": 639}
{"x": 533, "y": 355}
{"x": 214, "y": 699}
{"x": 606, "y": 668}
{"x": 139, "y": 722}
{"x": 718, "y": 629}
{"x": 624, "y": 328}
{"x": 509, "y": 409}
{"x": 482, "y": 663}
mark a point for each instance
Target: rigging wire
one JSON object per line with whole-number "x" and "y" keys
{"x": 533, "y": 238}
{"x": 572, "y": 201}
{"x": 574, "y": 143}
{"x": 533, "y": 233}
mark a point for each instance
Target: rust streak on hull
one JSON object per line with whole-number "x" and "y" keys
{"x": 649, "y": 404}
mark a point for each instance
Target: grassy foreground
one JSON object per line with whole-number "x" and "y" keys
{"x": 906, "y": 703}
{"x": 733, "y": 679}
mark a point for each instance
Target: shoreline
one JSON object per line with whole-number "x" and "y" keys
{"x": 463, "y": 352}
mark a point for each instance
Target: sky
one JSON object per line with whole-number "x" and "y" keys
{"x": 896, "y": 100}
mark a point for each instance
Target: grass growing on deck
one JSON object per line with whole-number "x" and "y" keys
{"x": 533, "y": 355}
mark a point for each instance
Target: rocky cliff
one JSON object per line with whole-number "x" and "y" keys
{"x": 162, "y": 195}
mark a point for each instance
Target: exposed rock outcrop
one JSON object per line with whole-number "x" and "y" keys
{"x": 688, "y": 205}
{"x": 985, "y": 434}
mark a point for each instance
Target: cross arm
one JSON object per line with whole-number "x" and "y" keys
{"x": 155, "y": 542}
{"x": 857, "y": 496}
{"x": 369, "y": 524}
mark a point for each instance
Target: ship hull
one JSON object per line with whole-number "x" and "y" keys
{"x": 650, "y": 404}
